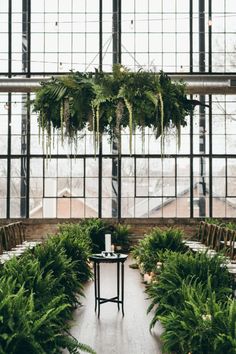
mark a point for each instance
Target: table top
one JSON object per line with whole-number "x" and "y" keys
{"x": 111, "y": 257}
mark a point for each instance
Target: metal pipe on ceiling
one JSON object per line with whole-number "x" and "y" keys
{"x": 196, "y": 84}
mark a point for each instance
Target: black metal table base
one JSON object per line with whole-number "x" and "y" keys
{"x": 119, "y": 298}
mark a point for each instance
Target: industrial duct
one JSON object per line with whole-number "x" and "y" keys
{"x": 196, "y": 84}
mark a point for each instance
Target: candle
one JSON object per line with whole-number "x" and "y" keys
{"x": 147, "y": 278}
{"x": 108, "y": 242}
{"x": 112, "y": 248}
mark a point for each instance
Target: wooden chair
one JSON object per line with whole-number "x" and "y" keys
{"x": 214, "y": 236}
{"x": 217, "y": 238}
{"x": 232, "y": 246}
{"x": 12, "y": 235}
{"x": 201, "y": 231}
{"x": 21, "y": 231}
{"x": 198, "y": 246}
{"x": 1, "y": 240}
{"x": 208, "y": 234}
{"x": 12, "y": 241}
{"x": 6, "y": 238}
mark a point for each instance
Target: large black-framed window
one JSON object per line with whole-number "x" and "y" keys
{"x": 155, "y": 34}
{"x": 40, "y": 37}
{"x": 153, "y": 184}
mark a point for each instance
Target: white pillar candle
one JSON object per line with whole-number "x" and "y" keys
{"x": 108, "y": 242}
{"x": 147, "y": 278}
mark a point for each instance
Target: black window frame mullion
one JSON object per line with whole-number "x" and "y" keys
{"x": 190, "y": 36}
{"x": 210, "y": 158}
{"x": 9, "y": 38}
{"x": 28, "y": 157}
{"x": 29, "y": 38}
{"x": 9, "y": 106}
{"x": 9, "y": 100}
{"x": 100, "y": 175}
{"x": 209, "y": 36}
{"x": 191, "y": 163}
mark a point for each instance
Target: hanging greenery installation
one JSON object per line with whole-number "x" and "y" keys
{"x": 108, "y": 102}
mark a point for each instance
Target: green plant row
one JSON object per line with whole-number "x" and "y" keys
{"x": 149, "y": 250}
{"x": 192, "y": 295}
{"x": 203, "y": 324}
{"x": 38, "y": 292}
{"x": 95, "y": 230}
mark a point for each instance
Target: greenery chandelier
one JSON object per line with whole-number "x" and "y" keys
{"x": 108, "y": 102}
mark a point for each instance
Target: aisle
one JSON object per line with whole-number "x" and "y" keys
{"x": 112, "y": 333}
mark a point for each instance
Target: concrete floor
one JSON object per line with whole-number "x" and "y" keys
{"x": 112, "y": 333}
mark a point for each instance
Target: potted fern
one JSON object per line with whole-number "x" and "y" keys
{"x": 120, "y": 237}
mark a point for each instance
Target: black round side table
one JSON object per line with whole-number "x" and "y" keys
{"x": 119, "y": 259}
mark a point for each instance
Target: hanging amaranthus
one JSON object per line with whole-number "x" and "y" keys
{"x": 97, "y": 125}
{"x": 130, "y": 110}
{"x": 66, "y": 115}
{"x": 162, "y": 121}
{"x": 94, "y": 128}
{"x": 119, "y": 114}
{"x": 62, "y": 121}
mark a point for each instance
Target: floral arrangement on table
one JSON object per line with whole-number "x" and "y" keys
{"x": 108, "y": 102}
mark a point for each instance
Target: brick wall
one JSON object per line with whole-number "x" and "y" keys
{"x": 40, "y": 228}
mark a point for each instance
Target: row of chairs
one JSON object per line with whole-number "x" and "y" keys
{"x": 13, "y": 242}
{"x": 218, "y": 238}
{"x": 215, "y": 238}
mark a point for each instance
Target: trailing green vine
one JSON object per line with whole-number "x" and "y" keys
{"x": 106, "y": 103}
